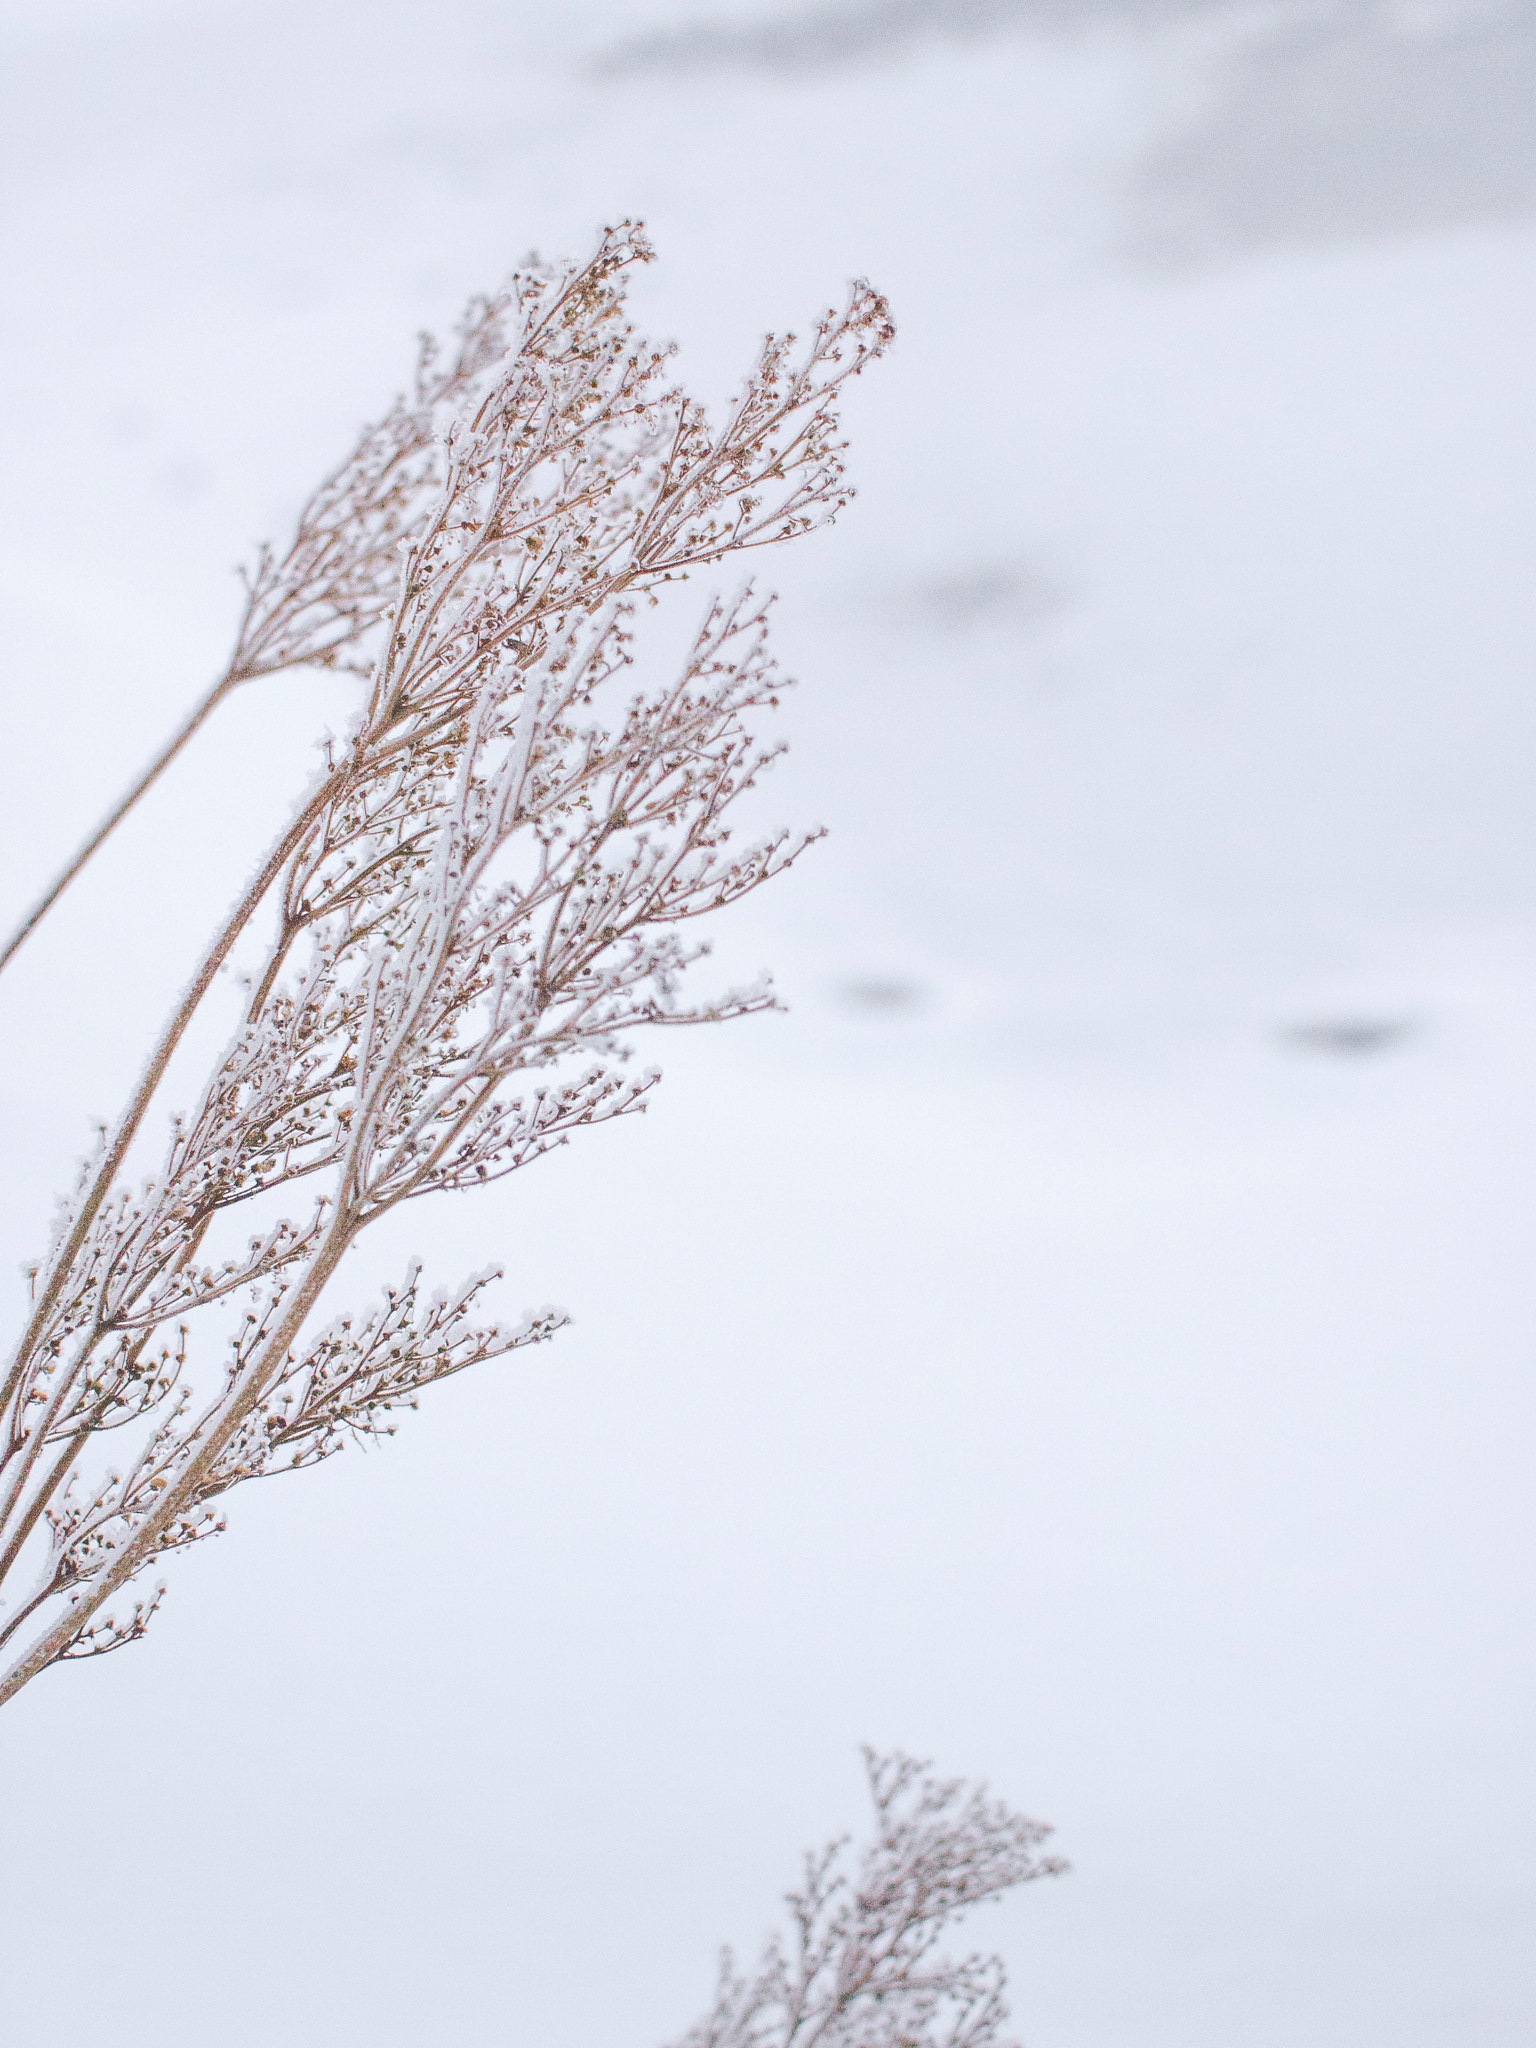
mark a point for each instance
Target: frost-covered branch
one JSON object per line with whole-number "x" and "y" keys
{"x": 483, "y": 893}
{"x": 860, "y": 1964}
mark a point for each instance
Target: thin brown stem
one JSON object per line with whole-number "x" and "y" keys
{"x": 115, "y": 817}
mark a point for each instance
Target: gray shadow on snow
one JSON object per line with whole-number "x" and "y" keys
{"x": 881, "y": 995}
{"x": 1331, "y": 120}
{"x": 1350, "y": 122}
{"x": 1349, "y": 1038}
{"x": 810, "y": 39}
{"x": 1001, "y": 595}
{"x": 1007, "y": 594}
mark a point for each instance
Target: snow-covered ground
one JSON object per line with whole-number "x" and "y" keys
{"x": 1089, "y": 1341}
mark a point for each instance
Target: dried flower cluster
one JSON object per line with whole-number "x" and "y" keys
{"x": 861, "y": 1967}
{"x": 482, "y": 893}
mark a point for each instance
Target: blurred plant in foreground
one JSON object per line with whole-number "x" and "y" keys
{"x": 477, "y": 898}
{"x": 860, "y": 1967}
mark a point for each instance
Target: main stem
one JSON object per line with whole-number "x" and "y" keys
{"x": 114, "y": 818}
{"x": 183, "y": 1495}
{"x": 111, "y": 1162}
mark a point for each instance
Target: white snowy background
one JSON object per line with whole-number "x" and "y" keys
{"x": 1089, "y": 1340}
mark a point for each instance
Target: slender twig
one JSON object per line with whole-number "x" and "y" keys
{"x": 114, "y": 818}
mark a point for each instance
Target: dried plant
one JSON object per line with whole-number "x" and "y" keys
{"x": 480, "y": 895}
{"x": 319, "y": 604}
{"x": 860, "y": 1967}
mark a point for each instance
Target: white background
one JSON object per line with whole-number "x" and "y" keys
{"x": 1088, "y": 1341}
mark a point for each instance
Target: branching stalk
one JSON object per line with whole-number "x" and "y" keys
{"x": 861, "y": 1964}
{"x": 472, "y": 908}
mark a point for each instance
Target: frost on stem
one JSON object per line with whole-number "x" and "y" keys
{"x": 488, "y": 889}
{"x": 859, "y": 1966}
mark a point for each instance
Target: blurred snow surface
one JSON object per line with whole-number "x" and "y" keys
{"x": 1089, "y": 1340}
